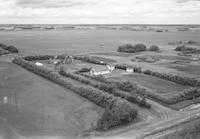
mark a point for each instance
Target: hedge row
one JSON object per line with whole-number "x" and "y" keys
{"x": 90, "y": 60}
{"x": 103, "y": 99}
{"x": 110, "y": 88}
{"x": 38, "y": 57}
{"x": 124, "y": 67}
{"x": 47, "y": 57}
{"x": 43, "y": 57}
{"x": 187, "y": 94}
{"x": 136, "y": 88}
{"x": 174, "y": 78}
{"x": 10, "y": 48}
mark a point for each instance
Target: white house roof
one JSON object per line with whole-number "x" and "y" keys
{"x": 100, "y": 69}
{"x": 38, "y": 64}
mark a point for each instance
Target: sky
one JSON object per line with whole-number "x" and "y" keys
{"x": 100, "y": 11}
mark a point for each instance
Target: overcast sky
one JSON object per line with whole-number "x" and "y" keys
{"x": 100, "y": 11}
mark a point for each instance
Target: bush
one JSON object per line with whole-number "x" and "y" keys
{"x": 129, "y": 48}
{"x": 126, "y": 48}
{"x": 140, "y": 47}
{"x": 184, "y": 48}
{"x": 147, "y": 72}
{"x": 10, "y": 48}
{"x": 154, "y": 48}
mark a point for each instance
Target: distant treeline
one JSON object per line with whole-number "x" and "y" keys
{"x": 118, "y": 111}
{"x": 190, "y": 42}
{"x": 9, "y": 48}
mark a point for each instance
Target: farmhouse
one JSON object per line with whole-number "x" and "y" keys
{"x": 103, "y": 70}
{"x": 38, "y": 64}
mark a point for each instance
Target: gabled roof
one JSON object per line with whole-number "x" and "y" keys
{"x": 100, "y": 68}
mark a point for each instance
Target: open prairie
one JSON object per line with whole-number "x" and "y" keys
{"x": 85, "y": 41}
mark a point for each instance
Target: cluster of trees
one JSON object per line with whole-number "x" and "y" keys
{"x": 184, "y": 48}
{"x": 129, "y": 48}
{"x": 90, "y": 60}
{"x": 10, "y": 48}
{"x": 109, "y": 88}
{"x": 118, "y": 116}
{"x": 154, "y": 48}
{"x": 174, "y": 78}
{"x": 124, "y": 67}
{"x": 113, "y": 104}
{"x": 188, "y": 50}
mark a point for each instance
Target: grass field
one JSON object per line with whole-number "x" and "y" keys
{"x": 42, "y": 107}
{"x": 157, "y": 85}
{"x": 86, "y": 41}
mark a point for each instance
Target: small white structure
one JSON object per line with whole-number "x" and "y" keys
{"x": 38, "y": 64}
{"x": 101, "y": 62}
{"x": 5, "y": 100}
{"x": 129, "y": 69}
{"x": 195, "y": 59}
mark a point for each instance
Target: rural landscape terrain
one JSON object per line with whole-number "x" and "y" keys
{"x": 100, "y": 81}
